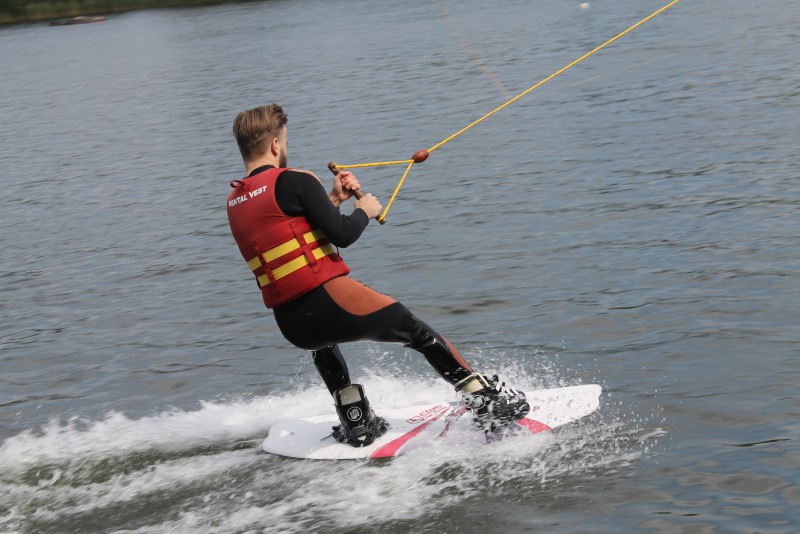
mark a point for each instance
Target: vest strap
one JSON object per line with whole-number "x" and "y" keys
{"x": 307, "y": 249}
{"x": 310, "y": 257}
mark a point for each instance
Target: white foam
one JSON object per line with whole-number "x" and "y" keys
{"x": 53, "y": 500}
{"x": 119, "y": 435}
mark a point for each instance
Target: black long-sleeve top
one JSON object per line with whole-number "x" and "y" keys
{"x": 300, "y": 194}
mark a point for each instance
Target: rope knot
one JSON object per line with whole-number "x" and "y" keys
{"x": 420, "y": 156}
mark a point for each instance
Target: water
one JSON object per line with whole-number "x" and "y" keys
{"x": 635, "y": 222}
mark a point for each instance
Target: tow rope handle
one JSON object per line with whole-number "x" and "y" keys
{"x": 356, "y": 192}
{"x": 335, "y": 170}
{"x": 418, "y": 157}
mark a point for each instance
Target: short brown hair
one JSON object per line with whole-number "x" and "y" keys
{"x": 255, "y": 128}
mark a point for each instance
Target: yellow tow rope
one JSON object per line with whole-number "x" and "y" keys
{"x": 421, "y": 155}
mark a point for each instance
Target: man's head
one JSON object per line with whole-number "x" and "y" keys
{"x": 261, "y": 132}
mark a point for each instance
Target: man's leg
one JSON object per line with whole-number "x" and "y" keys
{"x": 494, "y": 405}
{"x": 442, "y": 356}
{"x": 359, "y": 424}
{"x": 331, "y": 367}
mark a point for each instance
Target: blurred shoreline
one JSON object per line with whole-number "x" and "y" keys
{"x": 22, "y": 11}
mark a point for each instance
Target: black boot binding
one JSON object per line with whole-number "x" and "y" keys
{"x": 494, "y": 406}
{"x": 359, "y": 425}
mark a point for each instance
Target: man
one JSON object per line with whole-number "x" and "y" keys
{"x": 286, "y": 226}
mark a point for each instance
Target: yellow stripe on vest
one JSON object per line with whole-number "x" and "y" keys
{"x": 284, "y": 248}
{"x": 293, "y": 244}
{"x": 296, "y": 264}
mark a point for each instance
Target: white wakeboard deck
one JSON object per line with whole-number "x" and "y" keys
{"x": 414, "y": 426}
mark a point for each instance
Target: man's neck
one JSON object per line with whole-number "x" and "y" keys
{"x": 250, "y": 166}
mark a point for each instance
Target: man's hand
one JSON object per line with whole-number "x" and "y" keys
{"x": 344, "y": 183}
{"x": 370, "y": 205}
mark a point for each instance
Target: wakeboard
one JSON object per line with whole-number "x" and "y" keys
{"x": 415, "y": 426}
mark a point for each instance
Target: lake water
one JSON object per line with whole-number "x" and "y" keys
{"x": 635, "y": 223}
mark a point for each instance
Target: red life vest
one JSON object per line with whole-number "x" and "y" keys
{"x": 287, "y": 256}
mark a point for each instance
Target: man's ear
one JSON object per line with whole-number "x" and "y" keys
{"x": 273, "y": 146}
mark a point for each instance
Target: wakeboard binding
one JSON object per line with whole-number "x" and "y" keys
{"x": 359, "y": 425}
{"x": 494, "y": 406}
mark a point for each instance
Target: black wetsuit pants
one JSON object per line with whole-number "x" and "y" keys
{"x": 316, "y": 322}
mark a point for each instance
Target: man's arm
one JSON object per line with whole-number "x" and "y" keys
{"x": 300, "y": 194}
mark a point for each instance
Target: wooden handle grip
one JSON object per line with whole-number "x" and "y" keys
{"x": 335, "y": 170}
